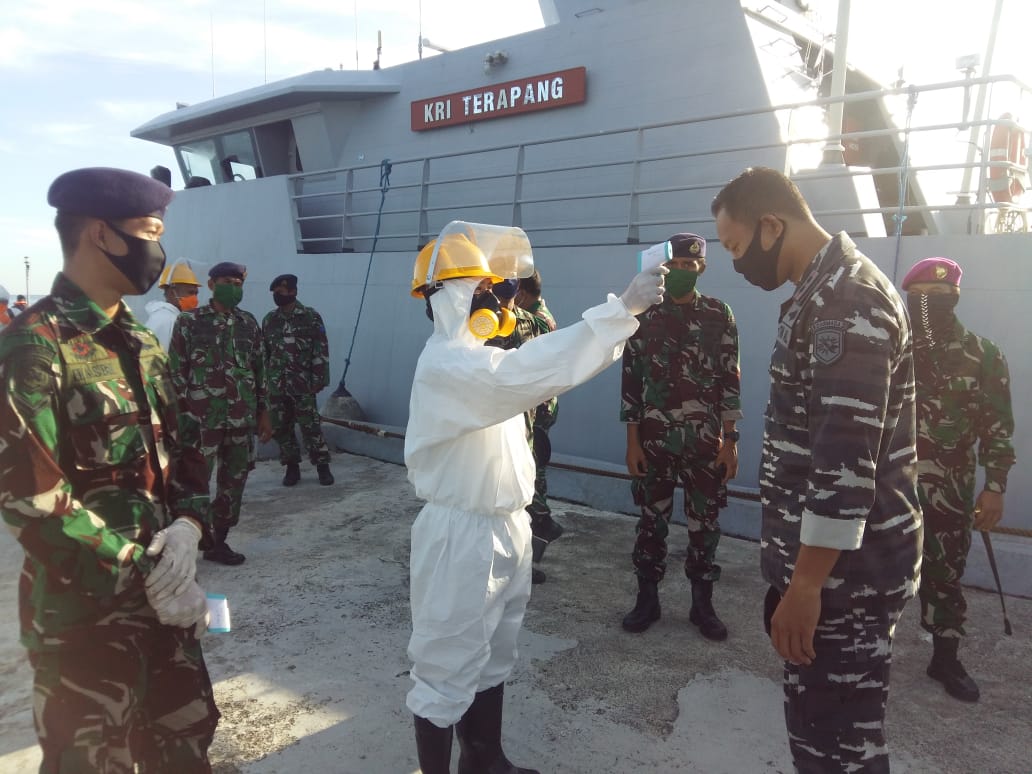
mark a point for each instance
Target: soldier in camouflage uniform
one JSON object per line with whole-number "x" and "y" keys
{"x": 297, "y": 358}
{"x": 963, "y": 402}
{"x": 219, "y": 372}
{"x": 526, "y": 328}
{"x": 680, "y": 399}
{"x": 841, "y": 533}
{"x": 95, "y": 486}
{"x": 544, "y": 528}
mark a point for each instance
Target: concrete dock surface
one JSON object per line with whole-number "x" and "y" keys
{"x": 313, "y": 676}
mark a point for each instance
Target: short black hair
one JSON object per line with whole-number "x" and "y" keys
{"x": 531, "y": 285}
{"x": 69, "y": 230}
{"x": 758, "y": 191}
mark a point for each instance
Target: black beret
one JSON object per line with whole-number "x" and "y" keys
{"x": 228, "y": 269}
{"x": 112, "y": 194}
{"x": 687, "y": 245}
{"x": 290, "y": 279}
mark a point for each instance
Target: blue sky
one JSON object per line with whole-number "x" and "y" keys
{"x": 79, "y": 75}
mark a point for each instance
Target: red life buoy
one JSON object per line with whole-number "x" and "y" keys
{"x": 1006, "y": 145}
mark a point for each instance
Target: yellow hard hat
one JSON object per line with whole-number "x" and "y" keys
{"x": 178, "y": 273}
{"x": 458, "y": 256}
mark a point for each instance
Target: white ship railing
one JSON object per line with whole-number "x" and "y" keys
{"x": 336, "y": 209}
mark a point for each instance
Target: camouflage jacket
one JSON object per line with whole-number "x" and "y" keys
{"x": 90, "y": 460}
{"x": 218, "y": 369}
{"x": 297, "y": 355}
{"x": 680, "y": 378}
{"x": 963, "y": 401}
{"x": 545, "y": 414}
{"x": 525, "y": 330}
{"x": 838, "y": 466}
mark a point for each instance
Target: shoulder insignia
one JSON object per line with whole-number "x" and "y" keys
{"x": 829, "y": 341}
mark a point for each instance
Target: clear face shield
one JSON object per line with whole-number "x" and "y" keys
{"x": 506, "y": 250}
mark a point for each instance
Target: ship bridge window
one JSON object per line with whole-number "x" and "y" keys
{"x": 223, "y": 159}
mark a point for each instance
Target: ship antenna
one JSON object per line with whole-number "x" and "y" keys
{"x": 419, "y": 46}
{"x": 356, "y": 34}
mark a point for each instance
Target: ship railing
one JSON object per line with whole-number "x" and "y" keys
{"x": 335, "y": 210}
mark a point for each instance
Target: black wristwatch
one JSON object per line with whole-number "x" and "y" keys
{"x": 732, "y": 435}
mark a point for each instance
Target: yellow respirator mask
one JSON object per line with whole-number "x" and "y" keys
{"x": 488, "y": 318}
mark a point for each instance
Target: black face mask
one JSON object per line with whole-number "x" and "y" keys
{"x": 283, "y": 299}
{"x": 143, "y": 263}
{"x": 931, "y": 315}
{"x": 759, "y": 266}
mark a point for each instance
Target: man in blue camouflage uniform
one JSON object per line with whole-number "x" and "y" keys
{"x": 680, "y": 400}
{"x": 219, "y": 372}
{"x": 963, "y": 403}
{"x": 297, "y": 363}
{"x": 841, "y": 534}
{"x": 96, "y": 486}
{"x": 544, "y": 528}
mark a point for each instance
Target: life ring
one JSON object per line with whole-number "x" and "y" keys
{"x": 1007, "y": 144}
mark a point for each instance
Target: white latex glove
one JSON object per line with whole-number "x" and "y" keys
{"x": 177, "y": 545}
{"x": 183, "y": 610}
{"x": 645, "y": 290}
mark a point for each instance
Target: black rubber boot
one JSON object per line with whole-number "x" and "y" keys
{"x": 702, "y": 613}
{"x": 480, "y": 736}
{"x": 537, "y": 576}
{"x": 325, "y": 477}
{"x": 221, "y": 552}
{"x": 433, "y": 746}
{"x": 947, "y": 669}
{"x": 646, "y": 609}
{"x": 293, "y": 474}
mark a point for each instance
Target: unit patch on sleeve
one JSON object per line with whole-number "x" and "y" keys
{"x": 829, "y": 341}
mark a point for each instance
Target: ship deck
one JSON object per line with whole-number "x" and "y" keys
{"x": 314, "y": 674}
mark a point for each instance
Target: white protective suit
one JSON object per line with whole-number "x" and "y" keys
{"x": 467, "y": 455}
{"x": 161, "y": 316}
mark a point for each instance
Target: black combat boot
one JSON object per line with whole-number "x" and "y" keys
{"x": 545, "y": 527}
{"x": 537, "y": 576}
{"x": 480, "y": 736}
{"x": 221, "y": 552}
{"x": 947, "y": 669}
{"x": 325, "y": 477}
{"x": 433, "y": 746}
{"x": 537, "y": 548}
{"x": 702, "y": 613}
{"x": 646, "y": 608}
{"x": 293, "y": 474}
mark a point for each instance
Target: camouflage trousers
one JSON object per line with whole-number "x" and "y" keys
{"x": 947, "y": 540}
{"x": 835, "y": 707}
{"x": 539, "y": 509}
{"x": 285, "y": 410}
{"x": 140, "y": 699}
{"x": 654, "y": 493}
{"x": 233, "y": 452}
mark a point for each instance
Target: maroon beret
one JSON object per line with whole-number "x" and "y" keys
{"x": 934, "y": 270}
{"x": 108, "y": 193}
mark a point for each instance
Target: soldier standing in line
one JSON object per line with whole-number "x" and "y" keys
{"x": 963, "y": 402}
{"x": 525, "y": 329}
{"x": 19, "y": 306}
{"x": 840, "y": 539}
{"x": 297, "y": 364}
{"x": 96, "y": 486}
{"x": 219, "y": 372}
{"x": 543, "y": 527}
{"x": 680, "y": 399}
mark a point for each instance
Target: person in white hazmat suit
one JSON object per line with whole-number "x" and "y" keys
{"x": 468, "y": 457}
{"x": 180, "y": 287}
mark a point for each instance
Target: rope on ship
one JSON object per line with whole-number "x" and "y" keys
{"x": 385, "y": 185}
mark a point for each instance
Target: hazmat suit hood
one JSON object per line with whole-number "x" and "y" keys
{"x": 451, "y": 312}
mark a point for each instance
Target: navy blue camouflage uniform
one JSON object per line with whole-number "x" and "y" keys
{"x": 839, "y": 470}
